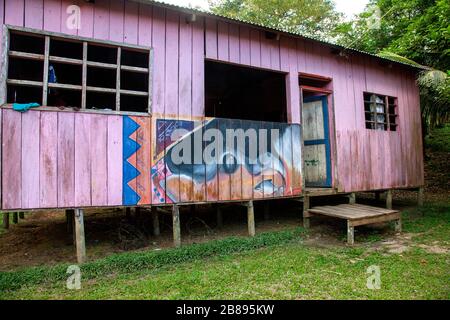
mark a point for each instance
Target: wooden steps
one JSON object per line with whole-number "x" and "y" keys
{"x": 358, "y": 215}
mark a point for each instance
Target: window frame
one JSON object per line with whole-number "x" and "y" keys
{"x": 388, "y": 125}
{"x": 84, "y": 63}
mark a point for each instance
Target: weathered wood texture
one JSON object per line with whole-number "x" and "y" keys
{"x": 366, "y": 159}
{"x": 61, "y": 159}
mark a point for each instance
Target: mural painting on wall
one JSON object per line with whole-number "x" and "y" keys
{"x": 224, "y": 159}
{"x": 136, "y": 160}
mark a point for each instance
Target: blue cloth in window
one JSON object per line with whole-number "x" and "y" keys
{"x": 23, "y": 107}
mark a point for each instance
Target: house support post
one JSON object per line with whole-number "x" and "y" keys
{"x": 219, "y": 216}
{"x": 306, "y": 215}
{"x": 6, "y": 220}
{"x": 398, "y": 225}
{"x": 420, "y": 197}
{"x": 79, "y": 235}
{"x": 350, "y": 233}
{"x": 176, "y": 226}
{"x": 251, "y": 219}
{"x": 155, "y": 221}
{"x": 389, "y": 199}
{"x": 352, "y": 198}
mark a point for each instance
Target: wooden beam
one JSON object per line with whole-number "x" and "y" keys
{"x": 306, "y": 215}
{"x": 251, "y": 219}
{"x": 219, "y": 217}
{"x": 79, "y": 235}
{"x": 45, "y": 76}
{"x": 176, "y": 226}
{"x": 155, "y": 221}
{"x": 6, "y": 220}
{"x": 389, "y": 199}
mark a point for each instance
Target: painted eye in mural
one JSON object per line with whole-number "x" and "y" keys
{"x": 229, "y": 163}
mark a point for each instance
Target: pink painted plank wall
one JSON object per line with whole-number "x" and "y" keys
{"x": 61, "y": 159}
{"x": 159, "y": 28}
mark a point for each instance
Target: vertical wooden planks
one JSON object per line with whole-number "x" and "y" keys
{"x": 101, "y": 19}
{"x": 115, "y": 158}
{"x": 83, "y": 159}
{"x": 145, "y": 25}
{"x": 185, "y": 95}
{"x": 87, "y": 19}
{"x": 30, "y": 159}
{"x": 233, "y": 33}
{"x": 159, "y": 59}
{"x": 265, "y": 51}
{"x": 116, "y": 20}
{"x": 11, "y": 159}
{"x": 34, "y": 14}
{"x": 66, "y": 159}
{"x": 48, "y": 162}
{"x": 274, "y": 46}
{"x": 15, "y": 12}
{"x": 211, "y": 38}
{"x": 198, "y": 71}
{"x": 255, "y": 48}
{"x": 131, "y": 23}
{"x": 244, "y": 45}
{"x": 99, "y": 162}
{"x": 66, "y": 17}
{"x": 52, "y": 15}
{"x": 222, "y": 41}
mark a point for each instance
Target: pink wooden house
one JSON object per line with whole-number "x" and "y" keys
{"x": 121, "y": 84}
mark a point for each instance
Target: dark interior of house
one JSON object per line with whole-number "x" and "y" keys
{"x": 235, "y": 92}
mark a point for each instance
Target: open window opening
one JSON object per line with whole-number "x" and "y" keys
{"x": 314, "y": 85}
{"x": 54, "y": 70}
{"x": 235, "y": 92}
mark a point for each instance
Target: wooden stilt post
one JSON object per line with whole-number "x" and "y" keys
{"x": 176, "y": 226}
{"x": 155, "y": 222}
{"x": 15, "y": 219}
{"x": 79, "y": 235}
{"x": 6, "y": 220}
{"x": 251, "y": 219}
{"x": 21, "y": 215}
{"x": 398, "y": 225}
{"x": 219, "y": 215}
{"x": 352, "y": 198}
{"x": 306, "y": 215}
{"x": 389, "y": 199}
{"x": 266, "y": 212}
{"x": 420, "y": 197}
{"x": 350, "y": 233}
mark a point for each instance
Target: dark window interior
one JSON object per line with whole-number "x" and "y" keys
{"x": 65, "y": 76}
{"x": 66, "y": 49}
{"x": 27, "y": 43}
{"x": 380, "y": 112}
{"x": 235, "y": 92}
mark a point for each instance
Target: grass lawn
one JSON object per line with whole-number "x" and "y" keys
{"x": 415, "y": 265}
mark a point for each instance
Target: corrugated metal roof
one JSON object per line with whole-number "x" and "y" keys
{"x": 297, "y": 34}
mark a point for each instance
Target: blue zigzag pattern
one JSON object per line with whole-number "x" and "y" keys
{"x": 130, "y": 172}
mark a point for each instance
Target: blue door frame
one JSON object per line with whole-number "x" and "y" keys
{"x": 326, "y": 141}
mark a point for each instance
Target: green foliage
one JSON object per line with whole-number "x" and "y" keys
{"x": 315, "y": 18}
{"x": 439, "y": 139}
{"x": 135, "y": 261}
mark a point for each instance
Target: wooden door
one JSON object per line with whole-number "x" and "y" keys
{"x": 316, "y": 135}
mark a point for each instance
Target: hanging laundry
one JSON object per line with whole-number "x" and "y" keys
{"x": 23, "y": 107}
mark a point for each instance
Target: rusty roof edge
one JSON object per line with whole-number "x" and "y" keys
{"x": 210, "y": 14}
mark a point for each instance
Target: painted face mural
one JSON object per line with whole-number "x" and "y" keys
{"x": 224, "y": 159}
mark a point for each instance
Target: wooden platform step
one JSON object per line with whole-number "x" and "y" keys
{"x": 357, "y": 215}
